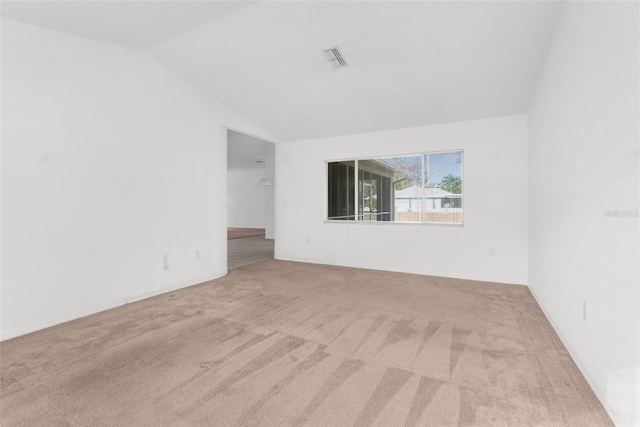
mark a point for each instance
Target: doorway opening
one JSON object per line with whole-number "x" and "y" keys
{"x": 250, "y": 200}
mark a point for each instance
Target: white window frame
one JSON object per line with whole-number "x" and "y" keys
{"x": 387, "y": 223}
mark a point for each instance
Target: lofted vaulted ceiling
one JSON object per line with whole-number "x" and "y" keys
{"x": 137, "y": 24}
{"x": 411, "y": 63}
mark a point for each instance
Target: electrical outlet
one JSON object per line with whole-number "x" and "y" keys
{"x": 165, "y": 260}
{"x": 492, "y": 251}
{"x": 309, "y": 240}
{"x": 197, "y": 253}
{"x": 584, "y": 310}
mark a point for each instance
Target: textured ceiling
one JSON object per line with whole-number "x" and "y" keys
{"x": 136, "y": 24}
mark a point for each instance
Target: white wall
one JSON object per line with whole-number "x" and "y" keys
{"x": 270, "y": 215}
{"x": 246, "y": 200}
{"x": 583, "y": 161}
{"x": 495, "y": 165}
{"x": 109, "y": 162}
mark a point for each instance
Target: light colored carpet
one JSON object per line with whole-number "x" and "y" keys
{"x": 239, "y": 233}
{"x": 280, "y": 343}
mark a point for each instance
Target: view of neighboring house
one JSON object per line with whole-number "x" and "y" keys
{"x": 435, "y": 200}
{"x": 439, "y": 205}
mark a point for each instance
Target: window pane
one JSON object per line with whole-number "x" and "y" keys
{"x": 415, "y": 188}
{"x": 407, "y": 186}
{"x": 341, "y": 191}
{"x": 390, "y": 189}
{"x": 443, "y": 192}
{"x": 373, "y": 191}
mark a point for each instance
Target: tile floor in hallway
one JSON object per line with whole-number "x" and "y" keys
{"x": 248, "y": 250}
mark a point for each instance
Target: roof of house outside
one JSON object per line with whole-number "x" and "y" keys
{"x": 379, "y": 167}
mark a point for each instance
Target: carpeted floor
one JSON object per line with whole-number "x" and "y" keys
{"x": 239, "y": 233}
{"x": 280, "y": 343}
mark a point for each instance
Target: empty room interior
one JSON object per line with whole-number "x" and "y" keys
{"x": 320, "y": 213}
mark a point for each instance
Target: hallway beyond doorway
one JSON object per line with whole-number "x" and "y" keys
{"x": 248, "y": 250}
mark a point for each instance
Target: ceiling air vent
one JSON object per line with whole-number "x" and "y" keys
{"x": 335, "y": 57}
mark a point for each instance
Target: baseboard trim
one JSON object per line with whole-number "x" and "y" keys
{"x": 16, "y": 332}
{"x": 572, "y": 353}
{"x": 502, "y": 280}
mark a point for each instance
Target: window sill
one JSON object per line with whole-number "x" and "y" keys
{"x": 387, "y": 223}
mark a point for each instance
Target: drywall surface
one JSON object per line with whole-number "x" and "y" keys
{"x": 246, "y": 200}
{"x": 270, "y": 215}
{"x": 495, "y": 204}
{"x": 584, "y": 197}
{"x": 109, "y": 163}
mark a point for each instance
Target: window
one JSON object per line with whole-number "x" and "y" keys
{"x": 341, "y": 191}
{"x": 424, "y": 187}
